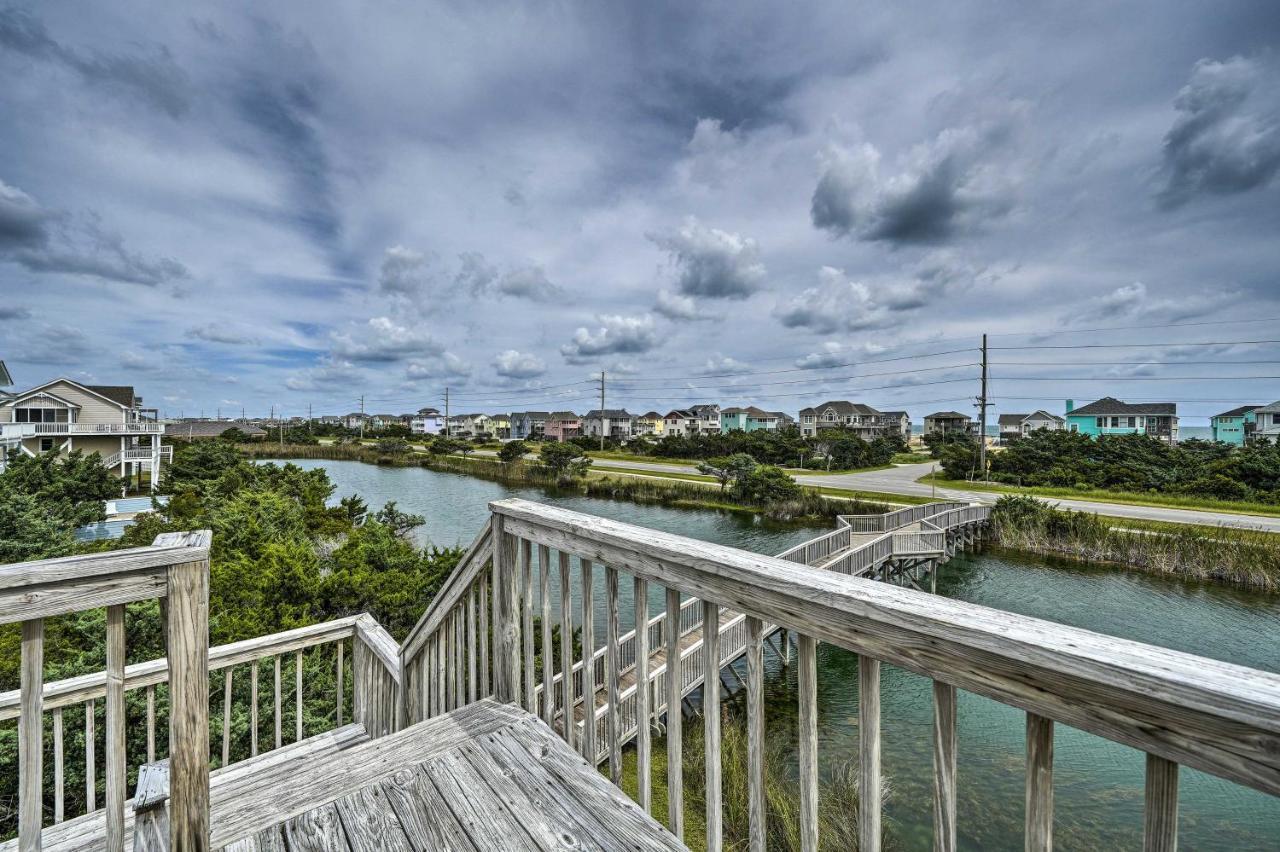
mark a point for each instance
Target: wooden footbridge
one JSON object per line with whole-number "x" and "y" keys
{"x": 480, "y": 730}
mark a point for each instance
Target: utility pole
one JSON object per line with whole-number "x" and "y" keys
{"x": 448, "y": 427}
{"x": 308, "y": 418}
{"x": 982, "y": 414}
{"x": 280, "y": 426}
{"x": 361, "y": 417}
{"x": 602, "y": 416}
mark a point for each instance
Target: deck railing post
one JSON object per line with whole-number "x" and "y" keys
{"x": 31, "y": 737}
{"x": 188, "y": 596}
{"x": 506, "y": 684}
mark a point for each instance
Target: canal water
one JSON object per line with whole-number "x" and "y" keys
{"x": 1099, "y": 785}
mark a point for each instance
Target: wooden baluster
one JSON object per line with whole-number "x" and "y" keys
{"x": 226, "y": 717}
{"x": 675, "y": 694}
{"x": 589, "y": 748}
{"x": 869, "y": 749}
{"x": 505, "y": 620}
{"x": 31, "y": 736}
{"x": 460, "y": 654}
{"x": 437, "y": 672}
{"x": 548, "y": 650}
{"x": 188, "y": 652}
{"x": 612, "y": 674}
{"x": 115, "y": 742}
{"x": 90, "y": 761}
{"x": 755, "y": 735}
{"x": 275, "y": 665}
{"x": 1039, "y": 813}
{"x": 711, "y": 719}
{"x": 807, "y": 674}
{"x": 566, "y": 650}
{"x": 1160, "y": 829}
{"x": 341, "y": 696}
{"x": 643, "y": 741}
{"x": 485, "y": 689}
{"x": 944, "y": 767}
{"x": 253, "y": 708}
{"x": 526, "y": 616}
{"x": 472, "y": 691}
{"x": 59, "y": 767}
{"x": 297, "y": 696}
{"x": 151, "y": 724}
{"x": 450, "y": 671}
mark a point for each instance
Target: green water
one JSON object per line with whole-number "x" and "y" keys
{"x": 1098, "y": 785}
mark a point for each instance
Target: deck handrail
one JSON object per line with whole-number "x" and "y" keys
{"x": 1180, "y": 709}
{"x": 476, "y": 558}
{"x": 176, "y": 569}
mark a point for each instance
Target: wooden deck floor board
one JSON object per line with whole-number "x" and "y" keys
{"x": 425, "y": 816}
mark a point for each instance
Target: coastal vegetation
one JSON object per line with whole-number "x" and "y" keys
{"x": 1124, "y": 464}
{"x": 830, "y": 449}
{"x": 1248, "y": 558}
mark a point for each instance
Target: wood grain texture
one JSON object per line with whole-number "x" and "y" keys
{"x": 944, "y": 767}
{"x": 644, "y": 745}
{"x": 474, "y": 562}
{"x": 505, "y": 576}
{"x": 151, "y": 721}
{"x": 612, "y": 674}
{"x": 566, "y": 649}
{"x": 526, "y": 625}
{"x": 276, "y": 701}
{"x": 869, "y": 791}
{"x": 548, "y": 649}
{"x": 253, "y": 709}
{"x": 1210, "y": 715}
{"x": 675, "y": 754}
{"x": 370, "y": 823}
{"x": 1039, "y": 784}
{"x": 297, "y": 694}
{"x": 226, "y": 717}
{"x": 589, "y": 748}
{"x": 115, "y": 718}
{"x": 711, "y": 724}
{"x": 1160, "y": 816}
{"x": 424, "y": 814}
{"x": 31, "y": 737}
{"x": 486, "y": 688}
{"x": 188, "y": 646}
{"x": 90, "y": 761}
{"x": 807, "y": 679}
{"x": 59, "y": 769}
{"x": 319, "y": 830}
{"x": 755, "y": 736}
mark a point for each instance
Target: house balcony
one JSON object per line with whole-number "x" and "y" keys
{"x": 29, "y": 430}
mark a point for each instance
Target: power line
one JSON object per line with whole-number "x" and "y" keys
{"x": 627, "y": 385}
{"x": 1139, "y": 345}
{"x": 1131, "y": 378}
{"x": 1134, "y": 327}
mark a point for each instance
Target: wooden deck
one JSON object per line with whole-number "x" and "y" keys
{"x": 516, "y": 785}
{"x": 486, "y": 776}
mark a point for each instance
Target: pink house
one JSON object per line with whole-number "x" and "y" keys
{"x": 562, "y": 425}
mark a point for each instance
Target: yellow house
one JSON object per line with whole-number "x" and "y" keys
{"x": 650, "y": 424}
{"x": 63, "y": 415}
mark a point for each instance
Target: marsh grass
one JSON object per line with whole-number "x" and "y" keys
{"x": 838, "y": 789}
{"x": 1249, "y": 558}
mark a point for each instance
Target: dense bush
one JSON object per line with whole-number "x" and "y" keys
{"x": 837, "y": 448}
{"x": 1139, "y": 463}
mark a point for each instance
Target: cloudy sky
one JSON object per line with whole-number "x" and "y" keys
{"x": 244, "y": 205}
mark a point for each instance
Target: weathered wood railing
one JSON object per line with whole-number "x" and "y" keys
{"x": 279, "y": 659}
{"x": 175, "y": 569}
{"x": 1179, "y": 709}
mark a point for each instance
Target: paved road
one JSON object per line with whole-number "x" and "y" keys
{"x": 901, "y": 479}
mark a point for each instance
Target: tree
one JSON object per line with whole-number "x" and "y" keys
{"x": 766, "y": 484}
{"x": 234, "y": 435}
{"x": 564, "y": 461}
{"x": 728, "y": 469}
{"x": 512, "y": 451}
{"x": 402, "y": 524}
{"x": 32, "y": 529}
{"x": 70, "y": 488}
{"x": 392, "y": 446}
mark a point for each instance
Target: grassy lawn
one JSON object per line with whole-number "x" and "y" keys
{"x": 1173, "y": 501}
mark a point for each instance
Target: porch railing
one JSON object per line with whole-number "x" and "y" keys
{"x": 175, "y": 569}
{"x": 1179, "y": 709}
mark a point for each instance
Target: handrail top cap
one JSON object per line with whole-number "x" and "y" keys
{"x": 168, "y": 549}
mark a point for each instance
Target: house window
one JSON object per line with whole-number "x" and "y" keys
{"x": 46, "y": 444}
{"x": 1102, "y": 422}
{"x": 39, "y": 415}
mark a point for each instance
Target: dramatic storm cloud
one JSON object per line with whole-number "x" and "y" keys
{"x": 300, "y": 204}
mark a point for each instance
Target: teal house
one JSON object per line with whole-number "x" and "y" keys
{"x": 749, "y": 419}
{"x": 1110, "y": 416}
{"x": 1235, "y": 426}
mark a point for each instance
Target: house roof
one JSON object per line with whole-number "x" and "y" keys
{"x": 562, "y": 415}
{"x": 1012, "y": 419}
{"x": 1111, "y": 405}
{"x": 533, "y": 415}
{"x": 841, "y": 407}
{"x": 896, "y": 415}
{"x": 428, "y": 412}
{"x": 679, "y": 412}
{"x": 119, "y": 394}
{"x": 1272, "y": 408}
{"x": 1238, "y": 412}
{"x": 947, "y": 415}
{"x": 750, "y": 410}
{"x": 5, "y": 379}
{"x": 17, "y": 398}
{"x": 652, "y": 415}
{"x": 212, "y": 428}
{"x": 608, "y": 412}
